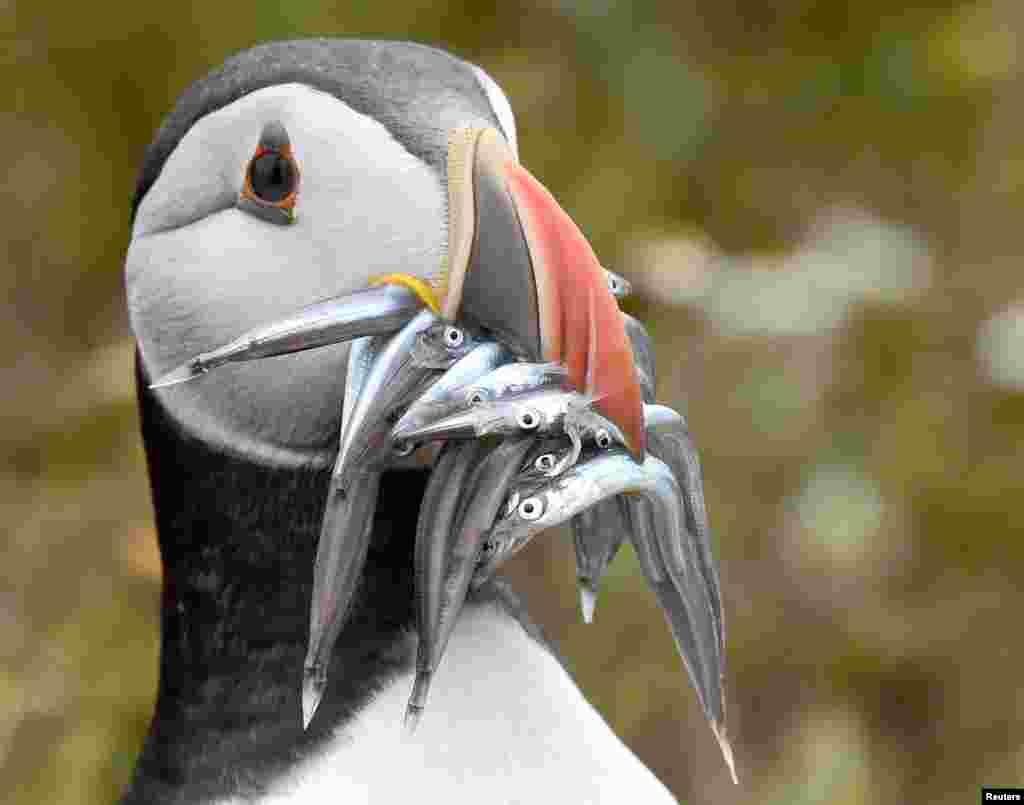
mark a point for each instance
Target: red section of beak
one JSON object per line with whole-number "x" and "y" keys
{"x": 581, "y": 325}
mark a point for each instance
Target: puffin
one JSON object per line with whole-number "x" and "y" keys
{"x": 298, "y": 171}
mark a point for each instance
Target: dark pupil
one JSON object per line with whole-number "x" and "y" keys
{"x": 271, "y": 177}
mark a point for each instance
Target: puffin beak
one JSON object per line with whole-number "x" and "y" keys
{"x": 520, "y": 268}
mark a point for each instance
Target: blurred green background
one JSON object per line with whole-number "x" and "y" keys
{"x": 819, "y": 204}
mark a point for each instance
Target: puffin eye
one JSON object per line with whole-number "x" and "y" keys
{"x": 531, "y": 509}
{"x": 453, "y": 337}
{"x": 527, "y": 419}
{"x": 603, "y": 439}
{"x": 271, "y": 178}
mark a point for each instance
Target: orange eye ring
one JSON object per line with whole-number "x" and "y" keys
{"x": 284, "y": 155}
{"x": 271, "y": 185}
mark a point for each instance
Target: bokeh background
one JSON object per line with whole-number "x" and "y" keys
{"x": 819, "y": 203}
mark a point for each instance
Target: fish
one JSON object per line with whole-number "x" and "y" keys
{"x": 450, "y": 386}
{"x": 603, "y": 474}
{"x": 597, "y": 535}
{"x": 687, "y": 609}
{"x": 643, "y": 355}
{"x": 618, "y": 285}
{"x": 341, "y": 554}
{"x": 510, "y": 378}
{"x": 344, "y": 540}
{"x": 543, "y": 411}
{"x": 666, "y": 550}
{"x": 436, "y": 523}
{"x": 382, "y": 373}
{"x": 670, "y": 440}
{"x": 447, "y": 556}
{"x": 598, "y": 532}
{"x": 379, "y": 310}
{"x": 407, "y": 364}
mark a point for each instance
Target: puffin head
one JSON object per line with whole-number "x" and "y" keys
{"x": 305, "y": 170}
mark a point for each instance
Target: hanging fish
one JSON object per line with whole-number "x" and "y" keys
{"x": 447, "y": 548}
{"x": 438, "y": 513}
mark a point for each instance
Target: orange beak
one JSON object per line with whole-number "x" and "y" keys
{"x": 520, "y": 267}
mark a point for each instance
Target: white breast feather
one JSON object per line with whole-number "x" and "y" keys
{"x": 504, "y": 724}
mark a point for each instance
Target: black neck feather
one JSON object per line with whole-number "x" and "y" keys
{"x": 238, "y": 542}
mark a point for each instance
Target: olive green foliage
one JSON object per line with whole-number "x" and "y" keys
{"x": 819, "y": 204}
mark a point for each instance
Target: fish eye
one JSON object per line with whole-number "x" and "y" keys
{"x": 402, "y": 449}
{"x": 528, "y": 419}
{"x": 475, "y": 397}
{"x": 545, "y": 462}
{"x": 603, "y": 438}
{"x": 531, "y": 509}
{"x": 453, "y": 337}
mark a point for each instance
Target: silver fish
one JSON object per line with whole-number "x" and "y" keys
{"x": 598, "y": 532}
{"x": 449, "y": 388}
{"x": 544, "y": 411}
{"x": 397, "y": 375}
{"x": 665, "y": 549}
{"x": 608, "y": 473}
{"x": 669, "y": 439}
{"x": 597, "y": 535}
{"x": 686, "y": 607}
{"x": 344, "y": 540}
{"x": 510, "y": 378}
{"x": 378, "y": 375}
{"x": 448, "y": 556}
{"x": 438, "y": 512}
{"x": 617, "y": 284}
{"x": 542, "y": 460}
{"x": 361, "y": 356}
{"x": 438, "y": 345}
{"x": 643, "y": 355}
{"x": 661, "y": 417}
{"x": 341, "y": 554}
{"x": 373, "y": 311}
